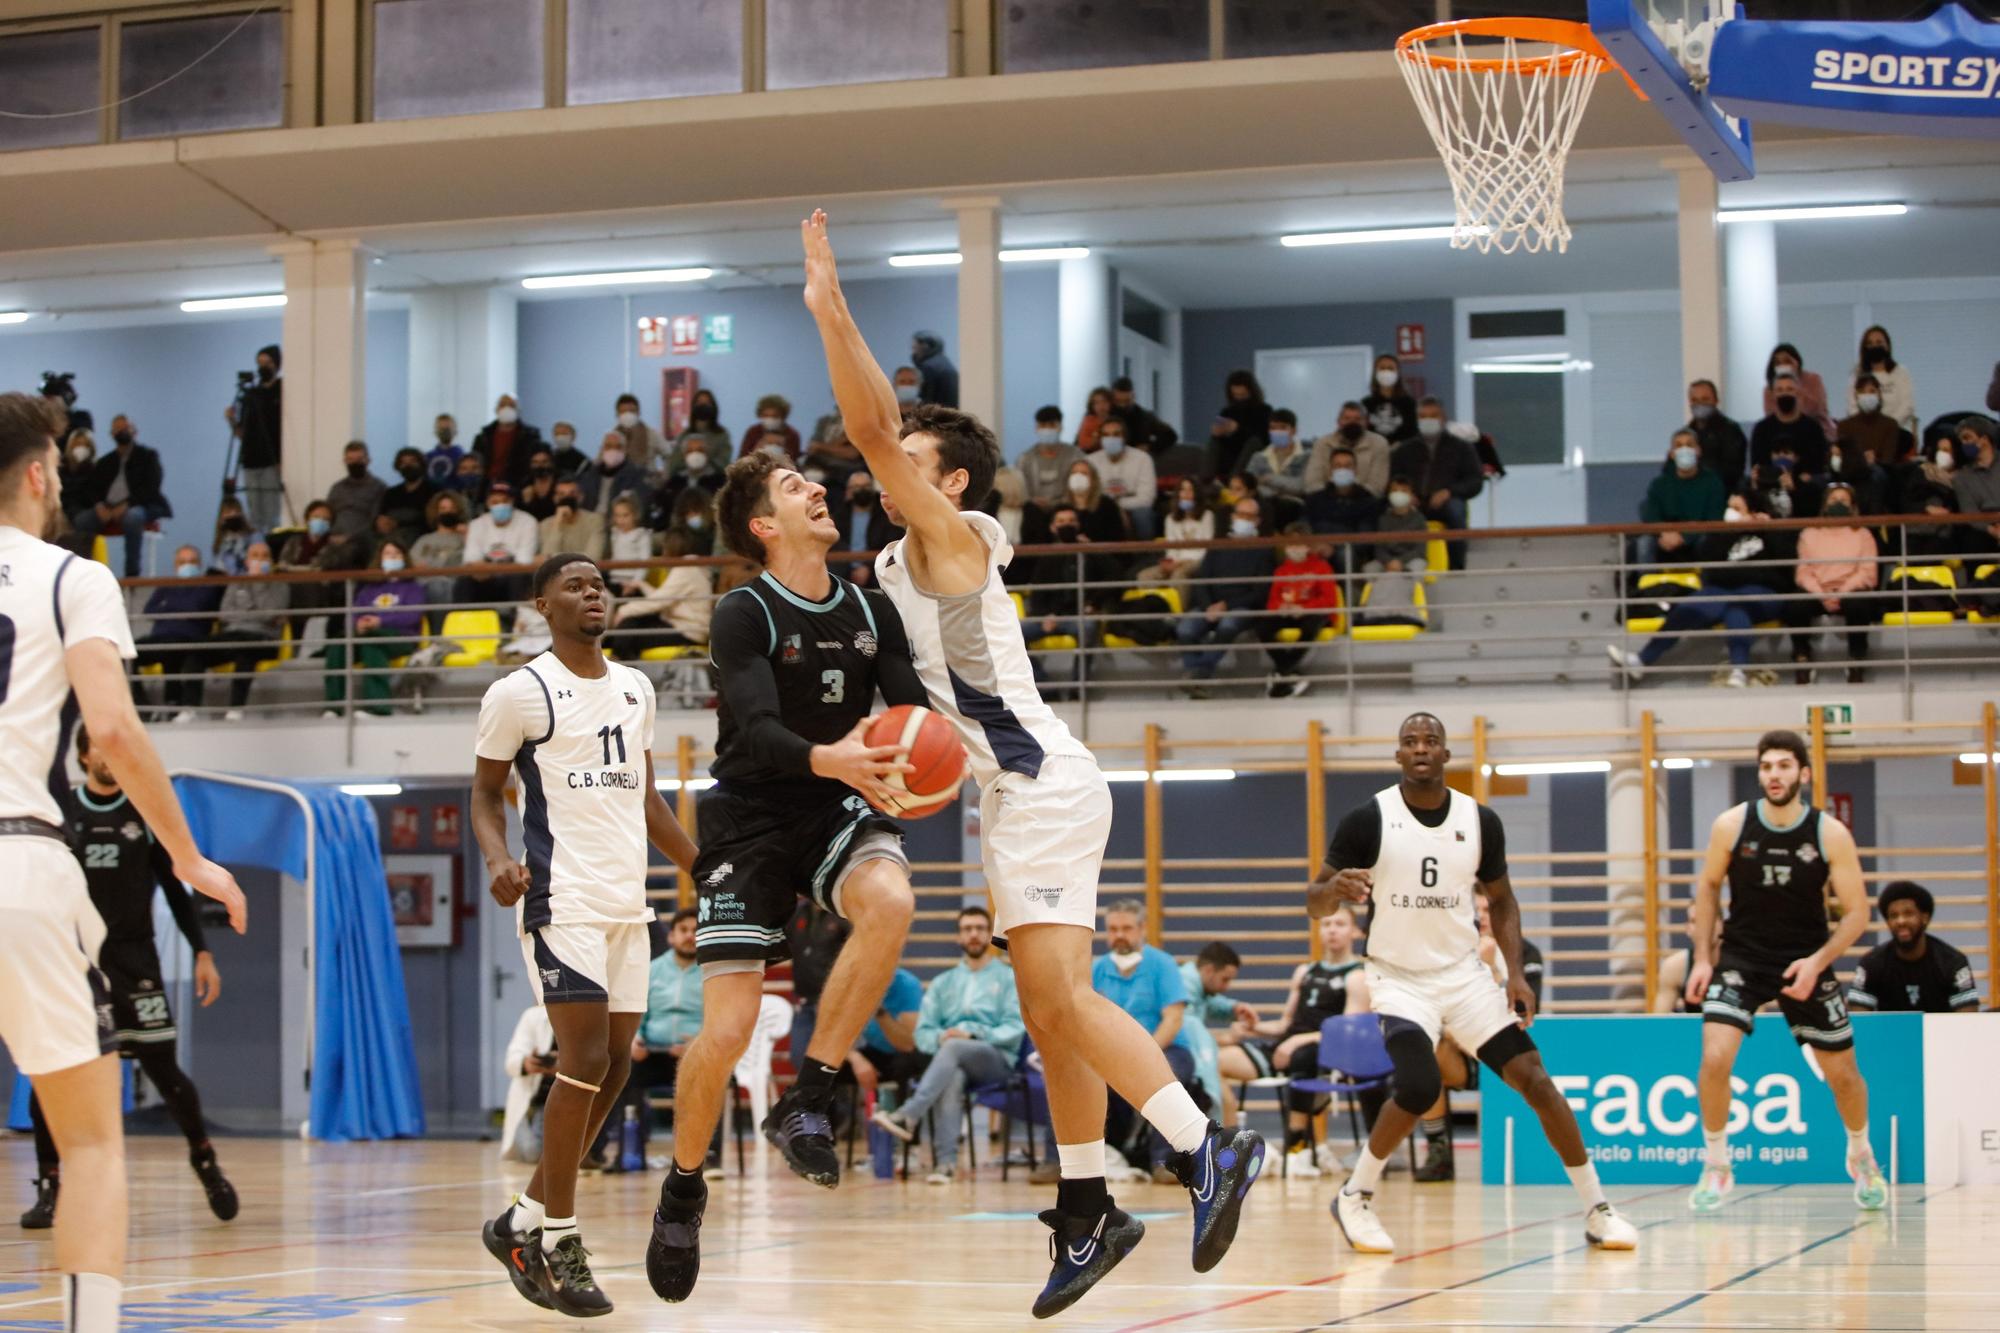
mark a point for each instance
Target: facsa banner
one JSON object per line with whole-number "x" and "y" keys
{"x": 1937, "y": 76}
{"x": 1631, "y": 1081}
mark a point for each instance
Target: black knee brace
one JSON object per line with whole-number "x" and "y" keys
{"x": 1416, "y": 1082}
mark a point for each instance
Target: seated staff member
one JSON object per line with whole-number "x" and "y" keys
{"x": 1912, "y": 972}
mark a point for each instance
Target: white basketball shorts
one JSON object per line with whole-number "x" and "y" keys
{"x": 55, "y": 1010}
{"x": 1041, "y": 840}
{"x": 1461, "y": 1001}
{"x": 603, "y": 962}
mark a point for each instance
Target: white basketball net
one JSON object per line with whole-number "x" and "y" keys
{"x": 1503, "y": 123}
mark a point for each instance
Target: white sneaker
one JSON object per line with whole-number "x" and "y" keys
{"x": 1354, "y": 1214}
{"x": 1736, "y": 680}
{"x": 1328, "y": 1157}
{"x": 1871, "y": 1191}
{"x": 1605, "y": 1229}
{"x": 1626, "y": 660}
{"x": 185, "y": 716}
{"x": 233, "y": 715}
{"x": 332, "y": 714}
{"x": 1714, "y": 1187}
{"x": 940, "y": 1175}
{"x": 1299, "y": 1165}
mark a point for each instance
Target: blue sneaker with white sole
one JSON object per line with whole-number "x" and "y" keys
{"x": 1218, "y": 1176}
{"x": 1083, "y": 1250}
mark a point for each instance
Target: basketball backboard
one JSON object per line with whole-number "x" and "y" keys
{"x": 1664, "y": 47}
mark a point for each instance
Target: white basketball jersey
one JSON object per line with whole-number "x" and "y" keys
{"x": 50, "y": 601}
{"x": 579, "y": 747}
{"x": 1425, "y": 879}
{"x": 974, "y": 663}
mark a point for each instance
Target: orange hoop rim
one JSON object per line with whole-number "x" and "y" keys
{"x": 1580, "y": 47}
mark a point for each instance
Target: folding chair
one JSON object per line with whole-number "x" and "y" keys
{"x": 1351, "y": 1049}
{"x": 1021, "y": 1096}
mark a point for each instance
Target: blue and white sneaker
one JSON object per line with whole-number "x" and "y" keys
{"x": 1083, "y": 1250}
{"x": 805, "y": 1138}
{"x": 1218, "y": 1175}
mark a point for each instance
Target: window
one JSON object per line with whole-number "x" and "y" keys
{"x": 812, "y": 43}
{"x": 43, "y": 73}
{"x": 1083, "y": 34}
{"x": 1516, "y": 323}
{"x": 1289, "y": 27}
{"x": 629, "y": 50}
{"x": 455, "y": 57}
{"x": 221, "y": 72}
{"x": 1522, "y": 406}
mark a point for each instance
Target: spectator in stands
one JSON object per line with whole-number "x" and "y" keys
{"x": 1443, "y": 466}
{"x": 250, "y": 626}
{"x": 1280, "y": 467}
{"x": 1097, "y": 410}
{"x": 1242, "y": 427}
{"x": 673, "y": 1018}
{"x": 537, "y": 499}
{"x": 1808, "y": 388}
{"x": 387, "y": 621}
{"x": 504, "y": 443}
{"x": 629, "y": 539}
{"x": 1400, "y": 517}
{"x": 443, "y": 546}
{"x": 1192, "y": 519}
{"x": 181, "y": 617}
{"x": 500, "y": 536}
{"x": 568, "y": 459}
{"x": 1055, "y": 604}
{"x": 970, "y": 1025}
{"x": 1739, "y": 588}
{"x": 692, "y": 468}
{"x": 773, "y": 427}
{"x": 908, "y": 382}
{"x": 614, "y": 472}
{"x": 705, "y": 434}
{"x": 1103, "y": 520}
{"x": 1143, "y": 981}
{"x": 1010, "y": 502}
{"x": 232, "y": 537}
{"x": 940, "y": 376}
{"x": 1835, "y": 564}
{"x": 1789, "y": 429}
{"x": 1974, "y": 478}
{"x": 673, "y": 615}
{"x": 1898, "y": 391}
{"x": 1926, "y": 542}
{"x": 79, "y": 488}
{"x": 1206, "y": 981}
{"x": 1912, "y": 971}
{"x": 693, "y": 516}
{"x": 1686, "y": 492}
{"x": 357, "y": 497}
{"x": 257, "y": 419}
{"x": 1304, "y": 596}
{"x": 127, "y": 483}
{"x": 441, "y": 463}
{"x": 1129, "y": 479}
{"x": 888, "y": 1045}
{"x": 317, "y": 548}
{"x": 1344, "y": 505}
{"x": 642, "y": 444}
{"x": 1236, "y": 582}
{"x": 1723, "y": 446}
{"x": 1044, "y": 470}
{"x": 1143, "y": 430}
{"x": 1392, "y": 413}
{"x": 471, "y": 481}
{"x": 1369, "y": 450}
{"x": 571, "y": 527}
{"x": 400, "y": 513}
{"x": 864, "y": 524}
{"x": 1869, "y": 443}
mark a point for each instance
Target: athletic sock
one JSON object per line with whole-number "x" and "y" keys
{"x": 555, "y": 1230}
{"x": 1366, "y": 1173}
{"x": 685, "y": 1184}
{"x": 815, "y": 1084}
{"x": 1436, "y": 1127}
{"x": 1716, "y": 1154}
{"x": 1584, "y": 1178}
{"x": 1858, "y": 1145}
{"x": 523, "y": 1215}
{"x": 1081, "y": 1192}
{"x": 1081, "y": 1161}
{"x": 1180, "y": 1122}
{"x": 90, "y": 1302}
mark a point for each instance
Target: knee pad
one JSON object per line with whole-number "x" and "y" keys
{"x": 1416, "y": 1083}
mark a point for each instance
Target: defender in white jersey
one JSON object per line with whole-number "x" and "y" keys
{"x": 1045, "y": 809}
{"x": 64, "y": 641}
{"x": 578, "y": 729}
{"x": 1418, "y": 851}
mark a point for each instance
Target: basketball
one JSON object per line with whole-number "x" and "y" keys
{"x": 936, "y": 759}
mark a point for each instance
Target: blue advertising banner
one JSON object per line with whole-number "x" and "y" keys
{"x": 1631, "y": 1081}
{"x": 1937, "y": 76}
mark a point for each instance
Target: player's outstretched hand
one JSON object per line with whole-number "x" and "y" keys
{"x": 508, "y": 883}
{"x": 1801, "y": 976}
{"x": 1697, "y": 983}
{"x": 822, "y": 277}
{"x": 862, "y": 766}
{"x": 211, "y": 880}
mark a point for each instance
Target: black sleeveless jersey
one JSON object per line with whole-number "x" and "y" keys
{"x": 1777, "y": 889}
{"x": 1322, "y": 994}
{"x": 121, "y": 864}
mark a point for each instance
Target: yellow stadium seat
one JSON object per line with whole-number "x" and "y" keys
{"x": 1048, "y": 643}
{"x": 672, "y": 652}
{"x": 1665, "y": 578}
{"x": 1393, "y": 633}
{"x": 100, "y": 550}
{"x": 1167, "y": 593}
{"x": 1437, "y": 555}
{"x": 1981, "y": 574}
{"x": 1937, "y": 576}
{"x": 476, "y": 632}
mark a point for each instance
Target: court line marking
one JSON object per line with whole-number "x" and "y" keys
{"x": 209, "y": 1280}
{"x": 421, "y": 1189}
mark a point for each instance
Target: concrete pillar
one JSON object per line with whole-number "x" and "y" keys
{"x": 978, "y": 349}
{"x": 1752, "y": 314}
{"x": 1625, "y": 835}
{"x": 463, "y": 356}
{"x": 1702, "y": 341}
{"x": 325, "y": 332}
{"x": 1085, "y": 299}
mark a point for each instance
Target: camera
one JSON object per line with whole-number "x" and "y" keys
{"x": 244, "y": 379}
{"x": 60, "y": 384}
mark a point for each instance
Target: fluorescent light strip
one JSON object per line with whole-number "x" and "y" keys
{"x": 15, "y": 316}
{"x": 1977, "y": 758}
{"x": 1170, "y": 774}
{"x": 1304, "y": 239}
{"x": 1679, "y": 762}
{"x": 1810, "y": 213}
{"x": 944, "y": 259}
{"x": 1031, "y": 255}
{"x": 372, "y": 788}
{"x": 674, "y": 784}
{"x": 630, "y": 277}
{"x": 1552, "y": 768}
{"x": 232, "y": 303}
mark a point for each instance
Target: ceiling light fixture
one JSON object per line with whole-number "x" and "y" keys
{"x": 937, "y": 259}
{"x": 372, "y": 788}
{"x": 1032, "y": 255}
{"x": 1812, "y": 212}
{"x": 629, "y": 277}
{"x": 15, "y": 316}
{"x": 1304, "y": 239}
{"x": 1551, "y": 768}
{"x": 1170, "y": 774}
{"x": 232, "y": 303}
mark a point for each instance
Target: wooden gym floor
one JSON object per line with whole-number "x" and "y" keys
{"x": 385, "y": 1236}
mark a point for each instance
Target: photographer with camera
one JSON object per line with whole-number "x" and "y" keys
{"x": 127, "y": 483}
{"x": 256, "y": 419}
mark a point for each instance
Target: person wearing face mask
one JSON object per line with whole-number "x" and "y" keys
{"x": 1280, "y": 466}
{"x": 1097, "y": 410}
{"x": 693, "y": 517}
{"x": 1057, "y": 606}
{"x": 1304, "y": 596}
{"x": 1236, "y": 581}
{"x": 568, "y": 459}
{"x": 181, "y": 617}
{"x": 1838, "y": 564}
{"x": 251, "y": 625}
{"x": 773, "y": 427}
{"x": 1241, "y": 427}
{"x": 503, "y": 535}
{"x": 384, "y": 624}
{"x": 642, "y": 444}
{"x": 1807, "y": 387}
{"x": 940, "y": 376}
{"x": 470, "y": 481}
{"x": 317, "y": 548}
{"x": 537, "y": 499}
{"x": 1444, "y": 468}
{"x": 1745, "y": 566}
{"x": 1129, "y": 480}
{"x": 1392, "y": 413}
{"x": 232, "y": 538}
{"x": 1724, "y": 447}
{"x": 401, "y": 514}
{"x": 1868, "y": 442}
{"x": 908, "y": 382}
{"x": 441, "y": 463}
{"x": 1044, "y": 468}
{"x": 572, "y": 527}
{"x": 1788, "y": 429}
{"x": 1191, "y": 518}
{"x": 1687, "y": 493}
{"x": 614, "y": 472}
{"x": 1974, "y": 479}
{"x": 1897, "y": 390}
{"x": 257, "y": 420}
{"x": 1400, "y": 518}
{"x": 357, "y": 497}
{"x": 1009, "y": 504}
{"x": 504, "y": 443}
{"x": 1343, "y": 504}
{"x": 443, "y": 545}
{"x": 128, "y": 483}
{"x": 831, "y": 450}
{"x": 1143, "y": 430}
{"x": 705, "y": 438}
{"x": 79, "y": 488}
{"x": 1369, "y": 450}
{"x": 864, "y": 526}
{"x": 1103, "y": 520}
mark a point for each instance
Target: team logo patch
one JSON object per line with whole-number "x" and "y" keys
{"x": 864, "y": 642}
{"x": 551, "y": 978}
{"x": 1048, "y": 895}
{"x": 792, "y": 654}
{"x": 1916, "y": 995}
{"x": 631, "y": 699}
{"x": 720, "y": 873}
{"x": 1458, "y": 835}
{"x": 132, "y": 830}
{"x": 1749, "y": 849}
{"x": 1732, "y": 978}
{"x": 1807, "y": 853}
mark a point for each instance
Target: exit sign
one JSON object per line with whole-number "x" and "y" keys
{"x": 1410, "y": 342}
{"x": 1836, "y": 719}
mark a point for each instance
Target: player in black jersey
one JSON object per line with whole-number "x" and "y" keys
{"x": 1779, "y": 857}
{"x": 1912, "y": 973}
{"x": 800, "y": 655}
{"x": 121, "y": 863}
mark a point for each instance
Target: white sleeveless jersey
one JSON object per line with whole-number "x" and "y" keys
{"x": 1425, "y": 879}
{"x": 974, "y": 663}
{"x": 50, "y": 601}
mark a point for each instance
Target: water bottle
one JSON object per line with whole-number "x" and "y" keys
{"x": 631, "y": 1142}
{"x": 882, "y": 1147}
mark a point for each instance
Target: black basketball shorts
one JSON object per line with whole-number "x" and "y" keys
{"x": 1742, "y": 985}
{"x": 140, "y": 1015}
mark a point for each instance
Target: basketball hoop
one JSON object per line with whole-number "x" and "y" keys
{"x": 1503, "y": 120}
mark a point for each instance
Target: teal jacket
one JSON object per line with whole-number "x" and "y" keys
{"x": 1672, "y": 498}
{"x": 1203, "y": 1011}
{"x": 983, "y": 1004}
{"x": 673, "y": 1003}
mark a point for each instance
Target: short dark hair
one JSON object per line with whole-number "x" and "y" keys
{"x": 1123, "y": 384}
{"x": 1219, "y": 954}
{"x": 1286, "y": 415}
{"x": 1248, "y": 381}
{"x": 1705, "y": 384}
{"x": 974, "y": 909}
{"x": 1046, "y": 413}
{"x": 318, "y": 504}
{"x": 1892, "y": 893}
{"x": 746, "y": 494}
{"x": 963, "y": 441}
{"x": 1865, "y": 378}
{"x": 1789, "y": 741}
{"x": 1432, "y": 718}
{"x": 1430, "y": 400}
{"x": 407, "y": 452}
{"x": 546, "y": 572}
{"x": 83, "y": 742}
{"x": 1338, "y": 450}
{"x": 685, "y": 914}
{"x": 27, "y": 431}
{"x": 1351, "y": 406}
{"x": 1065, "y": 508}
{"x": 625, "y": 398}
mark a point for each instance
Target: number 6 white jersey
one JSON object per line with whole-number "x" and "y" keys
{"x": 579, "y": 747}
{"x": 1424, "y": 881}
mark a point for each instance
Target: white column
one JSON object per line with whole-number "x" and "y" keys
{"x": 1624, "y": 835}
{"x": 325, "y": 342}
{"x": 463, "y": 356}
{"x": 1084, "y": 302}
{"x": 978, "y": 349}
{"x": 1702, "y": 341}
{"x": 1752, "y": 306}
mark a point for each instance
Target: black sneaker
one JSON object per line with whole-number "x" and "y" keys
{"x": 221, "y": 1194}
{"x": 1439, "y": 1163}
{"x": 805, "y": 1138}
{"x": 564, "y": 1278}
{"x": 42, "y": 1215}
{"x": 1218, "y": 1175}
{"x": 510, "y": 1247}
{"x": 673, "y": 1256}
{"x": 1083, "y": 1250}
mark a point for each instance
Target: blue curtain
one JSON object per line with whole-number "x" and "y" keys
{"x": 364, "y": 1076}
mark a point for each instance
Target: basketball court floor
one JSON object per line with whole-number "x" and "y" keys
{"x": 374, "y": 1236}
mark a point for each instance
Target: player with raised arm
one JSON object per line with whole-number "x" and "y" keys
{"x": 64, "y": 642}
{"x": 578, "y": 729}
{"x": 1045, "y": 811}
{"x": 1418, "y": 851}
{"x": 1778, "y": 856}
